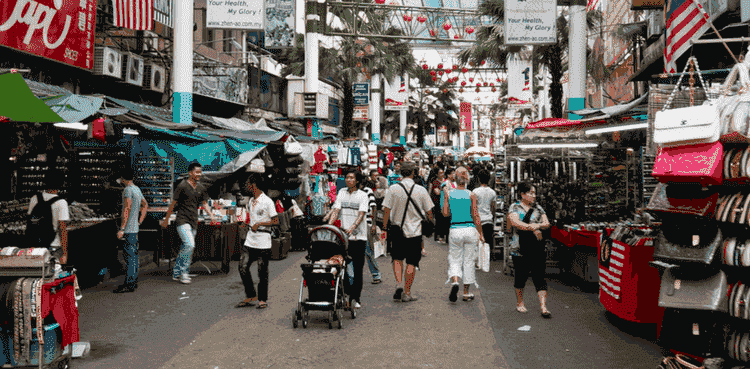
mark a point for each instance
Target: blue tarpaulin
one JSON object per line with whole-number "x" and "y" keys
{"x": 216, "y": 156}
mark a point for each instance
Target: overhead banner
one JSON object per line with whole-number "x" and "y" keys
{"x": 239, "y": 14}
{"x": 279, "y": 23}
{"x": 396, "y": 94}
{"x": 63, "y": 32}
{"x": 520, "y": 77}
{"x": 465, "y": 116}
{"x": 530, "y": 22}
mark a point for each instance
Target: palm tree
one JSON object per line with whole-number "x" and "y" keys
{"x": 356, "y": 57}
{"x": 490, "y": 47}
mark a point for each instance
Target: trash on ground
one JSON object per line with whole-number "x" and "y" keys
{"x": 525, "y": 328}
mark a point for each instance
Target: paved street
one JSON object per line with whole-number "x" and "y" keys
{"x": 169, "y": 325}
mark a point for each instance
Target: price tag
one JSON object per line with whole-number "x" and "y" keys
{"x": 677, "y": 284}
{"x": 696, "y": 330}
{"x": 696, "y": 240}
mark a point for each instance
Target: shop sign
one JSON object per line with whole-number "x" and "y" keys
{"x": 361, "y": 113}
{"x": 234, "y": 14}
{"x": 59, "y": 30}
{"x": 279, "y": 23}
{"x": 530, "y": 22}
{"x": 361, "y": 93}
{"x": 465, "y": 116}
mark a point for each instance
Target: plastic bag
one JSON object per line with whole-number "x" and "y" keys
{"x": 484, "y": 257}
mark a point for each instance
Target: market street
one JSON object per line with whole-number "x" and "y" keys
{"x": 165, "y": 324}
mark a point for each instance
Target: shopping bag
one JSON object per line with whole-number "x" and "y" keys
{"x": 378, "y": 249}
{"x": 484, "y": 257}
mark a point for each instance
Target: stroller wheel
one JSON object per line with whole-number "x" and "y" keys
{"x": 295, "y": 322}
{"x": 338, "y": 318}
{"x": 330, "y": 320}
{"x": 304, "y": 323}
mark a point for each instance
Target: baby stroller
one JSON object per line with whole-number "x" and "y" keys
{"x": 323, "y": 277}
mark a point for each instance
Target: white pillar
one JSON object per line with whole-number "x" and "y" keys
{"x": 403, "y": 113}
{"x": 182, "y": 64}
{"x": 577, "y": 96}
{"x": 311, "y": 55}
{"x": 376, "y": 88}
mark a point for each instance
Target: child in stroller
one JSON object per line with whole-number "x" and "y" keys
{"x": 323, "y": 277}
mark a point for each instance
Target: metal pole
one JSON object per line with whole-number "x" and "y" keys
{"x": 577, "y": 70}
{"x": 182, "y": 64}
{"x": 312, "y": 25}
{"x": 375, "y": 107}
{"x": 402, "y": 113}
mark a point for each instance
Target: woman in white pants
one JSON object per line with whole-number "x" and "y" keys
{"x": 465, "y": 233}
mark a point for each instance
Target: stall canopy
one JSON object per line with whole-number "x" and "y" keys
{"x": 19, "y": 104}
{"x": 609, "y": 111}
{"x": 150, "y": 117}
{"x": 74, "y": 108}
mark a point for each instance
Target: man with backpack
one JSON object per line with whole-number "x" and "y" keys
{"x": 46, "y": 225}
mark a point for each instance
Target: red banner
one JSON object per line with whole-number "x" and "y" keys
{"x": 465, "y": 116}
{"x": 61, "y": 30}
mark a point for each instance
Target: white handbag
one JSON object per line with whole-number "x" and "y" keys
{"x": 690, "y": 125}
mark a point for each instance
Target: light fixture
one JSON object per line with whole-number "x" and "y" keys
{"x": 628, "y": 127}
{"x": 129, "y": 131}
{"x": 583, "y": 145}
{"x": 77, "y": 126}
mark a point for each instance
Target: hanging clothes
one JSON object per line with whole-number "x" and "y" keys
{"x": 321, "y": 160}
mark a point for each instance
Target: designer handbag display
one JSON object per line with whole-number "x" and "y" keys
{"x": 688, "y": 240}
{"x": 701, "y": 163}
{"x": 683, "y": 199}
{"x": 683, "y": 288}
{"x": 696, "y": 332}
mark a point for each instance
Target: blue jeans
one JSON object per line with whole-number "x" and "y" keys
{"x": 131, "y": 258}
{"x": 185, "y": 258}
{"x": 372, "y": 263}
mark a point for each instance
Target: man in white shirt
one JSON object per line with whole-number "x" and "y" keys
{"x": 350, "y": 207}
{"x": 409, "y": 248}
{"x": 486, "y": 197}
{"x": 60, "y": 214}
{"x": 262, "y": 213}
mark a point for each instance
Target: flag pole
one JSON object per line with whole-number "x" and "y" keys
{"x": 711, "y": 24}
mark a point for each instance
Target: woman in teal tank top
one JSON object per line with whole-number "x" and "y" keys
{"x": 465, "y": 235}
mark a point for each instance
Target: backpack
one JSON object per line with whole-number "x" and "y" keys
{"x": 40, "y": 231}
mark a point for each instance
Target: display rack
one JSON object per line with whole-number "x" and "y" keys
{"x": 96, "y": 165}
{"x": 608, "y": 185}
{"x": 155, "y": 177}
{"x": 648, "y": 182}
{"x": 33, "y": 173}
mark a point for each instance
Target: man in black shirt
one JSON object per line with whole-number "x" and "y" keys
{"x": 188, "y": 196}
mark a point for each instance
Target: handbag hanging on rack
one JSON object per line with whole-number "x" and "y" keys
{"x": 689, "y": 125}
{"x": 700, "y": 163}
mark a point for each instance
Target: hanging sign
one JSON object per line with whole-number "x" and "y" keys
{"x": 59, "y": 30}
{"x": 234, "y": 14}
{"x": 396, "y": 94}
{"x": 530, "y": 22}
{"x": 520, "y": 77}
{"x": 361, "y": 93}
{"x": 465, "y": 116}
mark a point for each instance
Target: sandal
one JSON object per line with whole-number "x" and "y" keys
{"x": 521, "y": 309}
{"x": 546, "y": 315}
{"x": 262, "y": 305}
{"x": 243, "y": 303}
{"x": 468, "y": 297}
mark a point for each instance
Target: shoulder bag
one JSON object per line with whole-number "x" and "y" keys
{"x": 689, "y": 125}
{"x": 527, "y": 242}
{"x": 428, "y": 228}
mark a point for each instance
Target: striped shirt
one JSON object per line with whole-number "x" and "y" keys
{"x": 370, "y": 204}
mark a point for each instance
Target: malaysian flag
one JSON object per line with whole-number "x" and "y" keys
{"x": 686, "y": 19}
{"x": 612, "y": 260}
{"x": 134, "y": 14}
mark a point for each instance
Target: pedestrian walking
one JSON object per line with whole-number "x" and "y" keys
{"x": 350, "y": 208}
{"x": 134, "y": 209}
{"x": 189, "y": 195}
{"x": 404, "y": 206}
{"x": 262, "y": 216}
{"x": 435, "y": 191}
{"x": 372, "y": 262}
{"x": 445, "y": 187}
{"x": 486, "y": 197}
{"x": 465, "y": 233}
{"x": 528, "y": 219}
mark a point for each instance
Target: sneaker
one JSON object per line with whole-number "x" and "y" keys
{"x": 185, "y": 279}
{"x": 397, "y": 296}
{"x": 175, "y": 278}
{"x": 357, "y": 305}
{"x": 408, "y": 298}
{"x": 454, "y": 293}
{"x": 377, "y": 281}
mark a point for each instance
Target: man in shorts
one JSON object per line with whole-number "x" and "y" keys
{"x": 408, "y": 248}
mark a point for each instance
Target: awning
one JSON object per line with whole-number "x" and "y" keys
{"x": 149, "y": 116}
{"x": 609, "y": 111}
{"x": 74, "y": 108}
{"x": 18, "y": 103}
{"x": 251, "y": 135}
{"x": 43, "y": 90}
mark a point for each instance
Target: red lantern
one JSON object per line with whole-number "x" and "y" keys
{"x": 456, "y": 37}
{"x": 469, "y": 29}
{"x": 440, "y": 72}
{"x": 448, "y": 71}
{"x": 425, "y": 67}
{"x": 485, "y": 84}
{"x": 498, "y": 79}
{"x": 421, "y": 19}
{"x": 492, "y": 85}
{"x": 481, "y": 63}
{"x": 447, "y": 26}
{"x": 455, "y": 67}
{"x": 445, "y": 90}
{"x": 479, "y": 85}
{"x": 433, "y": 32}
{"x": 433, "y": 73}
{"x": 407, "y": 17}
{"x": 464, "y": 70}
{"x": 463, "y": 83}
{"x": 471, "y": 79}
{"x": 434, "y": 79}
{"x": 381, "y": 2}
{"x": 440, "y": 66}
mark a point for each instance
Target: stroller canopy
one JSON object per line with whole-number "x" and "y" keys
{"x": 326, "y": 241}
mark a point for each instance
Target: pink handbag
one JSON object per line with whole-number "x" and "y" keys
{"x": 701, "y": 163}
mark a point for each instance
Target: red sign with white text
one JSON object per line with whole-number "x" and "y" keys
{"x": 465, "y": 116}
{"x": 61, "y": 30}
